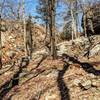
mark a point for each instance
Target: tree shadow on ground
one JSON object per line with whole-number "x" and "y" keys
{"x": 64, "y": 91}
{"x": 10, "y": 84}
{"x": 14, "y": 81}
{"x": 89, "y": 68}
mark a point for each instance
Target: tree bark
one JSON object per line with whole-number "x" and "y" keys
{"x": 2, "y": 5}
{"x": 52, "y": 29}
{"x": 84, "y": 22}
{"x": 72, "y": 23}
{"x": 18, "y": 10}
{"x": 24, "y": 23}
{"x": 0, "y": 46}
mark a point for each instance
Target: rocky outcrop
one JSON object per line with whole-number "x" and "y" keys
{"x": 79, "y": 47}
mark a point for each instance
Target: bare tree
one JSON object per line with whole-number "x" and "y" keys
{"x": 52, "y": 27}
{"x": 72, "y": 5}
{"x": 0, "y": 45}
{"x": 24, "y": 23}
{"x": 29, "y": 40}
{"x": 46, "y": 9}
{"x": 19, "y": 10}
{"x": 2, "y": 5}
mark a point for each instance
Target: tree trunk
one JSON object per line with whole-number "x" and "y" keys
{"x": 74, "y": 29}
{"x": 24, "y": 22}
{"x": 72, "y": 25}
{"x": 2, "y": 5}
{"x": 76, "y": 18}
{"x": 0, "y": 46}
{"x": 52, "y": 28}
{"x": 18, "y": 10}
{"x": 29, "y": 39}
{"x": 46, "y": 28}
{"x": 84, "y": 22}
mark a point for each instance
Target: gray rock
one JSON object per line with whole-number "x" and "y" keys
{"x": 96, "y": 82}
{"x": 54, "y": 73}
{"x": 95, "y": 50}
{"x": 92, "y": 75}
{"x": 87, "y": 84}
{"x": 76, "y": 82}
{"x": 11, "y": 54}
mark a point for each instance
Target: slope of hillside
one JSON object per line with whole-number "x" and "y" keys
{"x": 72, "y": 75}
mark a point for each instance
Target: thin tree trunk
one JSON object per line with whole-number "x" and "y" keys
{"x": 76, "y": 18}
{"x": 24, "y": 22}
{"x": 84, "y": 18}
{"x": 0, "y": 46}
{"x": 46, "y": 23}
{"x": 74, "y": 34}
{"x": 84, "y": 22}
{"x": 46, "y": 28}
{"x": 18, "y": 10}
{"x": 72, "y": 24}
{"x": 91, "y": 21}
{"x": 1, "y": 33}
{"x": 29, "y": 39}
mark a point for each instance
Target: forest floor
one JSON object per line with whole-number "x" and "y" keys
{"x": 66, "y": 78}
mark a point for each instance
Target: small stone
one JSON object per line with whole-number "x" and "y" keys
{"x": 76, "y": 82}
{"x": 84, "y": 99}
{"x": 98, "y": 88}
{"x": 52, "y": 73}
{"x": 96, "y": 82}
{"x": 91, "y": 97}
{"x": 95, "y": 98}
{"x": 92, "y": 76}
{"x": 11, "y": 54}
{"x": 52, "y": 97}
{"x": 70, "y": 62}
{"x": 87, "y": 84}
